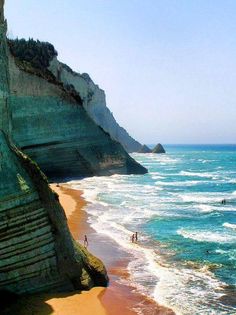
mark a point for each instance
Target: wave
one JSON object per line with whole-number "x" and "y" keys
{"x": 179, "y": 183}
{"x": 156, "y": 158}
{"x": 120, "y": 204}
{"x": 207, "y": 236}
{"x": 156, "y": 175}
{"x": 153, "y": 276}
{"x": 206, "y": 208}
{"x": 206, "y": 161}
{"x": 200, "y": 198}
{"x": 199, "y": 174}
{"x": 229, "y": 225}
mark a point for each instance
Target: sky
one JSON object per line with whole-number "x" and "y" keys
{"x": 168, "y": 67}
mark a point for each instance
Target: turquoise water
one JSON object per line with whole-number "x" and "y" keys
{"x": 186, "y": 254}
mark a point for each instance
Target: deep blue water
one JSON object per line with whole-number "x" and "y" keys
{"x": 186, "y": 256}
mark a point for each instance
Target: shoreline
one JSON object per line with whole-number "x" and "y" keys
{"x": 118, "y": 298}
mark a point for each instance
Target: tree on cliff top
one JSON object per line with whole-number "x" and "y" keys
{"x": 38, "y": 54}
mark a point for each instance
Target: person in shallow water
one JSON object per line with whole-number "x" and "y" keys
{"x": 223, "y": 202}
{"x": 136, "y": 236}
{"x": 85, "y": 241}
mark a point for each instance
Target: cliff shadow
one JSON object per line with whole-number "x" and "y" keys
{"x": 26, "y": 305}
{"x": 56, "y": 303}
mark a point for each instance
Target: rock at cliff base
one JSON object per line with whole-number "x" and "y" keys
{"x": 37, "y": 251}
{"x": 158, "y": 149}
{"x": 145, "y": 149}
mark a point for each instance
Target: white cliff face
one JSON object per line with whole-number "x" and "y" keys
{"x": 94, "y": 101}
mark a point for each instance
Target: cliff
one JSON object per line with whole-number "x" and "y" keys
{"x": 94, "y": 102}
{"x": 50, "y": 125}
{"x": 37, "y": 252}
{"x": 145, "y": 149}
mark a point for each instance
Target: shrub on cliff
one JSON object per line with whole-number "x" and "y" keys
{"x": 38, "y": 54}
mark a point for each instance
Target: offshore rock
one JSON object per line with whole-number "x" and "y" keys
{"x": 158, "y": 149}
{"x": 50, "y": 125}
{"x": 37, "y": 252}
{"x": 94, "y": 102}
{"x": 145, "y": 149}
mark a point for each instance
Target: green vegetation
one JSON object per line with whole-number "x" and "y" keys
{"x": 34, "y": 57}
{"x": 22, "y": 183}
{"x": 38, "y": 54}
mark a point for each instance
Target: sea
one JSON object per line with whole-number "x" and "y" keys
{"x": 185, "y": 257}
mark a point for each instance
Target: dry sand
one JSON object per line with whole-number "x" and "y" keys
{"x": 85, "y": 303}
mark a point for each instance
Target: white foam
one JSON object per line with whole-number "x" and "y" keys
{"x": 229, "y": 225}
{"x": 178, "y": 183}
{"x": 119, "y": 202}
{"x": 198, "y": 174}
{"x": 206, "y": 208}
{"x": 206, "y": 161}
{"x": 203, "y": 198}
{"x": 206, "y": 236}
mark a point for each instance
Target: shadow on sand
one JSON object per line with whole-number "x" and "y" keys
{"x": 31, "y": 304}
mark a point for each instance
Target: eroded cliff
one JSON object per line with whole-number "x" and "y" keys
{"x": 94, "y": 101}
{"x": 50, "y": 125}
{"x": 37, "y": 252}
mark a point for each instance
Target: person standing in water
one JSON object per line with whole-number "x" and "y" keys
{"x": 136, "y": 237}
{"x": 85, "y": 241}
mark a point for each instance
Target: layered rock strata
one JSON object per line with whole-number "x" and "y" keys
{"x": 94, "y": 101}
{"x": 37, "y": 252}
{"x": 55, "y": 130}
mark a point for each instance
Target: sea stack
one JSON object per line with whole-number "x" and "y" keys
{"x": 158, "y": 149}
{"x": 145, "y": 149}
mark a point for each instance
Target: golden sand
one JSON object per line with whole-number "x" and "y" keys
{"x": 117, "y": 299}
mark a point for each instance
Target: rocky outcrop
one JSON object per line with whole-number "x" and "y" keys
{"x": 145, "y": 149}
{"x": 50, "y": 125}
{"x": 94, "y": 101}
{"x": 158, "y": 149}
{"x": 37, "y": 252}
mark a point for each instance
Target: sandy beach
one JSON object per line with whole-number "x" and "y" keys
{"x": 116, "y": 299}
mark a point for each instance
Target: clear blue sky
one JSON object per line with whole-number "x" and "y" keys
{"x": 168, "y": 67}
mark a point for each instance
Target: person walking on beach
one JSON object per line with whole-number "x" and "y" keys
{"x": 85, "y": 241}
{"x": 136, "y": 237}
{"x": 132, "y": 238}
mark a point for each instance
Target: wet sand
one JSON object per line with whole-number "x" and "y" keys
{"x": 117, "y": 298}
